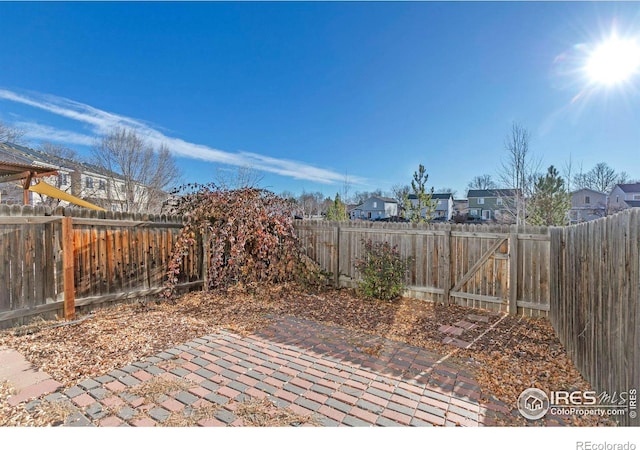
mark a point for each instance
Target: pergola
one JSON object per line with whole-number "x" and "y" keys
{"x": 27, "y": 173}
{"x": 24, "y": 172}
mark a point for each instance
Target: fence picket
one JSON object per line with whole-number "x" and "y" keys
{"x": 442, "y": 256}
{"x": 595, "y": 276}
{"x": 107, "y": 260}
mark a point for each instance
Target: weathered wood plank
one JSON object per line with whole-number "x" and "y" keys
{"x": 446, "y": 264}
{"x": 49, "y": 261}
{"x": 469, "y": 296}
{"x": 68, "y": 248}
{"x": 594, "y": 278}
{"x": 110, "y": 260}
{"x": 17, "y": 278}
{"x": 87, "y": 301}
{"x": 513, "y": 273}
{"x": 478, "y": 264}
{"x": 5, "y": 267}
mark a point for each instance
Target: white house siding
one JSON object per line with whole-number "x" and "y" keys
{"x": 391, "y": 209}
{"x": 587, "y": 204}
{"x": 375, "y": 208}
{"x": 624, "y": 196}
{"x": 444, "y": 205}
{"x": 444, "y": 208}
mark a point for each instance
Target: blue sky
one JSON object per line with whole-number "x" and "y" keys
{"x": 309, "y": 93}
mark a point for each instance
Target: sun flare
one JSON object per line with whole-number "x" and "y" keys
{"x": 613, "y": 61}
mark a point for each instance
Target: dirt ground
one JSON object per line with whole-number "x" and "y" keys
{"x": 517, "y": 353}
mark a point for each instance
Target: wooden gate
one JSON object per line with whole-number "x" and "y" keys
{"x": 480, "y": 270}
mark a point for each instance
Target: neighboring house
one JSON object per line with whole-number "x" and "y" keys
{"x": 624, "y": 196}
{"x": 79, "y": 179}
{"x": 444, "y": 207}
{"x": 460, "y": 206}
{"x": 350, "y": 208}
{"x": 443, "y": 204}
{"x": 587, "y": 204}
{"x": 492, "y": 204}
{"x": 375, "y": 208}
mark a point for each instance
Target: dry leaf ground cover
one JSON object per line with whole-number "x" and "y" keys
{"x": 515, "y": 354}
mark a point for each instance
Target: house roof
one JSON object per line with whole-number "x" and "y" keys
{"x": 633, "y": 203}
{"x": 629, "y": 188}
{"x": 491, "y": 193}
{"x": 444, "y": 195}
{"x": 10, "y": 157}
{"x": 15, "y": 167}
{"x": 29, "y": 155}
{"x": 438, "y": 196}
{"x": 22, "y": 154}
{"x": 386, "y": 199}
{"x": 587, "y": 190}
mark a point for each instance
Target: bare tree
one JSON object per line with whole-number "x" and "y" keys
{"x": 10, "y": 134}
{"x": 288, "y": 195}
{"x": 139, "y": 175}
{"x": 59, "y": 151}
{"x": 568, "y": 173}
{"x": 481, "y": 182}
{"x": 400, "y": 194}
{"x": 346, "y": 188}
{"x": 311, "y": 203}
{"x": 518, "y": 172}
{"x": 360, "y": 197}
{"x": 601, "y": 178}
{"x": 240, "y": 178}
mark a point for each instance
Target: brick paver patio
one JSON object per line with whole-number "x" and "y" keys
{"x": 340, "y": 377}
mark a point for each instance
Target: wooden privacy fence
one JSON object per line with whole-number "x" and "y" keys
{"x": 595, "y": 300}
{"x": 495, "y": 267}
{"x": 585, "y": 277}
{"x": 53, "y": 262}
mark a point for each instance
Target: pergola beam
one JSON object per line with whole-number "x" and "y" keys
{"x": 14, "y": 172}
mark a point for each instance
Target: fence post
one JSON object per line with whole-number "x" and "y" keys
{"x": 205, "y": 259}
{"x": 513, "y": 270}
{"x": 67, "y": 265}
{"x": 336, "y": 276}
{"x": 447, "y": 266}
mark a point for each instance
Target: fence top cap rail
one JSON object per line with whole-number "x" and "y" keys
{"x": 442, "y": 227}
{"x": 82, "y": 213}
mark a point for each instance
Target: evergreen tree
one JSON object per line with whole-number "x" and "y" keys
{"x": 551, "y": 202}
{"x": 423, "y": 198}
{"x": 337, "y": 210}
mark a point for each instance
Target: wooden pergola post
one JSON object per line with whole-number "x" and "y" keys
{"x": 25, "y": 191}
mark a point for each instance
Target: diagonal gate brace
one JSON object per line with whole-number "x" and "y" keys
{"x": 478, "y": 264}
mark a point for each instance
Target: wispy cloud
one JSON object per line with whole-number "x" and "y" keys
{"x": 101, "y": 122}
{"x": 46, "y": 133}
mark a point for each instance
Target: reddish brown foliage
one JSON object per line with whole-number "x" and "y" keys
{"x": 248, "y": 234}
